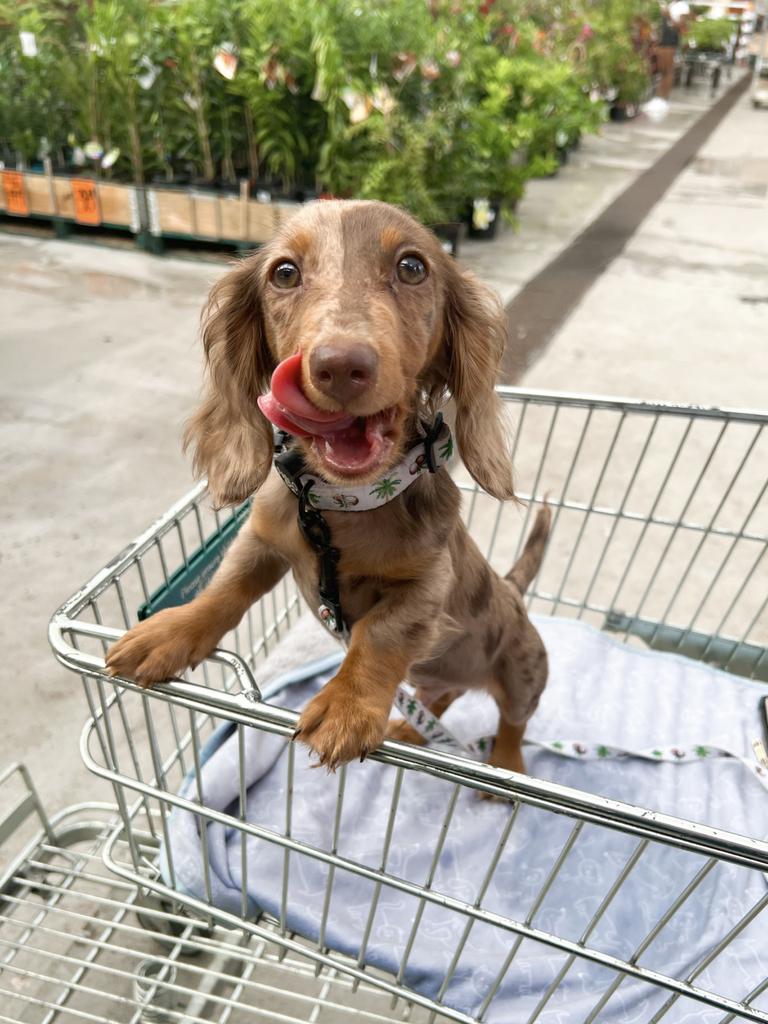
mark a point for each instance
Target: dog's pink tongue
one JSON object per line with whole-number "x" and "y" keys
{"x": 288, "y": 408}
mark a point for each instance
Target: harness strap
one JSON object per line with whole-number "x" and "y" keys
{"x": 317, "y": 534}
{"x": 431, "y": 453}
{"x": 437, "y": 734}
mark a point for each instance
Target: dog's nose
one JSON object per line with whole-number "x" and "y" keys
{"x": 343, "y": 373}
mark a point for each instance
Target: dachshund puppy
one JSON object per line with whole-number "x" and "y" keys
{"x": 363, "y": 327}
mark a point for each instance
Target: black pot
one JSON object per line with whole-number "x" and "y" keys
{"x": 226, "y": 187}
{"x": 262, "y": 187}
{"x": 450, "y": 234}
{"x": 201, "y": 184}
{"x": 304, "y": 195}
{"x": 623, "y": 111}
{"x": 483, "y": 216}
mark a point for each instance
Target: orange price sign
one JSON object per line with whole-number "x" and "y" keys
{"x": 15, "y": 194}
{"x": 86, "y": 201}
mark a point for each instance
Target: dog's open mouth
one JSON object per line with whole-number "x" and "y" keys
{"x": 348, "y": 445}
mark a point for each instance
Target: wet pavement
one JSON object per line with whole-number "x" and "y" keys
{"x": 682, "y": 313}
{"x": 543, "y": 304}
{"x": 555, "y": 210}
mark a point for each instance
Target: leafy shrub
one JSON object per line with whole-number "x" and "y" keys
{"x": 428, "y": 104}
{"x": 711, "y": 34}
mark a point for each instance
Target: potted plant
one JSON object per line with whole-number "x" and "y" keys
{"x": 616, "y": 61}
{"x": 34, "y": 110}
{"x": 710, "y": 35}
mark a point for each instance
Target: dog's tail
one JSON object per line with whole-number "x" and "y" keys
{"x": 529, "y": 562}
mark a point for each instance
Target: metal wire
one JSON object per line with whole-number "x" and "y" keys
{"x": 626, "y": 481}
{"x": 78, "y": 949}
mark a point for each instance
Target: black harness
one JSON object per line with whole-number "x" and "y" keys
{"x": 314, "y": 527}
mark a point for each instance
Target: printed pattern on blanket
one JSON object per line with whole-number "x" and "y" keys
{"x": 600, "y": 691}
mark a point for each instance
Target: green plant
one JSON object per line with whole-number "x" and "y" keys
{"x": 711, "y": 34}
{"x": 117, "y": 36}
{"x": 614, "y": 59}
{"x": 195, "y": 30}
{"x": 34, "y": 109}
{"x": 402, "y": 174}
{"x": 428, "y": 104}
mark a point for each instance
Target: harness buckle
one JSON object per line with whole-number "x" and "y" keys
{"x": 430, "y": 439}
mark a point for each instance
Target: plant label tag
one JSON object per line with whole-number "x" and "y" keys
{"x": 15, "y": 193}
{"x": 482, "y": 214}
{"x": 28, "y": 44}
{"x": 86, "y": 201}
{"x": 149, "y": 73}
{"x": 225, "y": 61}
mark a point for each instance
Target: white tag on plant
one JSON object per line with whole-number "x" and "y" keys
{"x": 225, "y": 61}
{"x": 483, "y": 214}
{"x": 28, "y": 44}
{"x": 149, "y": 73}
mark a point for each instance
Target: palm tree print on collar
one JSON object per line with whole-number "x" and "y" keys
{"x": 386, "y": 488}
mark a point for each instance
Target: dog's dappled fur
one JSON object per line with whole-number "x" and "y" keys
{"x": 422, "y": 602}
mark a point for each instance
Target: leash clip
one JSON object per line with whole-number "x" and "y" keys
{"x": 430, "y": 439}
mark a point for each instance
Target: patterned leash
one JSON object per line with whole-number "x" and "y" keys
{"x": 436, "y": 733}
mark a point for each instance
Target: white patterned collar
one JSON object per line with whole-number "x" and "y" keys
{"x": 427, "y": 456}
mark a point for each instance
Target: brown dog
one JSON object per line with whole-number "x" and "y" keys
{"x": 372, "y": 326}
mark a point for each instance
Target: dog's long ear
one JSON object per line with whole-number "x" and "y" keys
{"x": 475, "y": 336}
{"x": 232, "y": 440}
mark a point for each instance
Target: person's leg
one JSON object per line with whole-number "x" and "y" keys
{"x": 665, "y": 62}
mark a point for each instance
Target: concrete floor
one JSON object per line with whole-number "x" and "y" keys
{"x": 682, "y": 314}
{"x": 99, "y": 367}
{"x": 555, "y": 210}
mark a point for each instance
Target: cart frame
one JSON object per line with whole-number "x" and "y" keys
{"x": 694, "y": 451}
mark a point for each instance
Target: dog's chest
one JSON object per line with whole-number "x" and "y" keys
{"x": 358, "y": 591}
{"x": 370, "y": 564}
{"x": 378, "y": 548}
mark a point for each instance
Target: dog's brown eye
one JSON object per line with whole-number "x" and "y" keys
{"x": 411, "y": 270}
{"x": 286, "y": 275}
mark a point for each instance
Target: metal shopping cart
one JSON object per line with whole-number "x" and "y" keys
{"x": 659, "y": 537}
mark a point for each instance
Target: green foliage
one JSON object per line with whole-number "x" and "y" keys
{"x": 614, "y": 58}
{"x": 711, "y": 34}
{"x": 425, "y": 103}
{"x": 34, "y": 109}
{"x": 402, "y": 174}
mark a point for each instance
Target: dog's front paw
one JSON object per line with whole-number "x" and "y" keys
{"x": 159, "y": 648}
{"x": 340, "y": 726}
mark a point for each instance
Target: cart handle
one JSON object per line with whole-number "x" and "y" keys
{"x": 248, "y": 695}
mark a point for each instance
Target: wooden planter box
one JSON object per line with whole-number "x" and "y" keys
{"x": 183, "y": 213}
{"x": 159, "y": 212}
{"x": 80, "y": 200}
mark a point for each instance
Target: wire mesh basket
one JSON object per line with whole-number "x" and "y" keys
{"x": 659, "y": 536}
{"x": 79, "y": 944}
